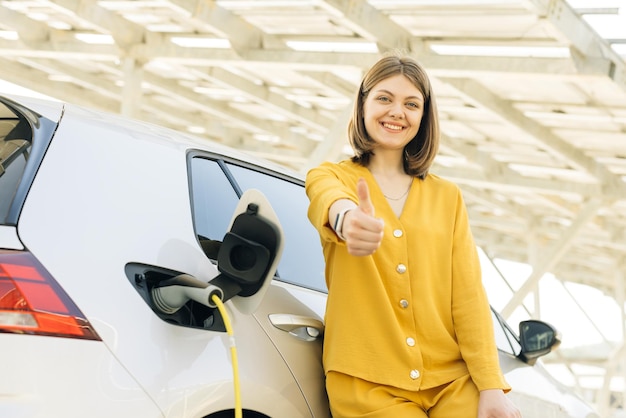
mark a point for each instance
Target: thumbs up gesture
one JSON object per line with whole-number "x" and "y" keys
{"x": 363, "y": 232}
{"x": 363, "y": 192}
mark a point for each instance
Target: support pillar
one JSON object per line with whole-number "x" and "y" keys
{"x": 131, "y": 91}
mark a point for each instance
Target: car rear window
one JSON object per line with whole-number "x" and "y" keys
{"x": 24, "y": 138}
{"x": 15, "y": 145}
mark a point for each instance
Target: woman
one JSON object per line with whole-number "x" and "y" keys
{"x": 408, "y": 326}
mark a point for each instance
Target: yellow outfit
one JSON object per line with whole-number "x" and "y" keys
{"x": 414, "y": 315}
{"x": 353, "y": 397}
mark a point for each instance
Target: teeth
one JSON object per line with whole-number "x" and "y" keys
{"x": 394, "y": 127}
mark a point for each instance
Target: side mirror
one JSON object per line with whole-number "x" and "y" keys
{"x": 537, "y": 339}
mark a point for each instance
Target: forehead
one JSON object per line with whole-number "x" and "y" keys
{"x": 399, "y": 85}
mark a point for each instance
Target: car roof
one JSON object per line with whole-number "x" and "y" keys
{"x": 50, "y": 109}
{"x": 57, "y": 110}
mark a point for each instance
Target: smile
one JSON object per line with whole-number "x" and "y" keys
{"x": 392, "y": 127}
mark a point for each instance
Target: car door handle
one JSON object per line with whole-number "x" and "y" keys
{"x": 303, "y": 327}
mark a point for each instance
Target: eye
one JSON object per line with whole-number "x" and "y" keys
{"x": 414, "y": 105}
{"x": 383, "y": 99}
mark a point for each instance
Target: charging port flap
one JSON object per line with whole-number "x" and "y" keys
{"x": 251, "y": 250}
{"x": 247, "y": 259}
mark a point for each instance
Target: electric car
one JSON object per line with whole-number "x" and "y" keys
{"x": 148, "y": 273}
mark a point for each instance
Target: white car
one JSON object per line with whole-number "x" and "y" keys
{"x": 115, "y": 236}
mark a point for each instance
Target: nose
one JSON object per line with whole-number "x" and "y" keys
{"x": 396, "y": 111}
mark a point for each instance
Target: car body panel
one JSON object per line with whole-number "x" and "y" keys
{"x": 34, "y": 386}
{"x": 164, "y": 358}
{"x": 539, "y": 394}
{"x": 303, "y": 356}
{"x": 9, "y": 239}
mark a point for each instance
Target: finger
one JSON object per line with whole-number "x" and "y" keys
{"x": 366, "y": 239}
{"x": 362, "y": 248}
{"x": 363, "y": 193}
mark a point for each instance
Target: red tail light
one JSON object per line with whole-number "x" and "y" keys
{"x": 32, "y": 302}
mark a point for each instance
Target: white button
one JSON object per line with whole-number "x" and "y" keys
{"x": 404, "y": 303}
{"x": 415, "y": 374}
{"x": 397, "y": 233}
{"x": 410, "y": 342}
{"x": 401, "y": 268}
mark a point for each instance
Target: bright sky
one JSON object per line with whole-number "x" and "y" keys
{"x": 608, "y": 26}
{"x": 583, "y": 315}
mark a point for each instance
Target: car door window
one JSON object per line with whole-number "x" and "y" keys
{"x": 213, "y": 199}
{"x": 302, "y": 262}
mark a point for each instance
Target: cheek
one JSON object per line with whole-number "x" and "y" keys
{"x": 372, "y": 108}
{"x": 416, "y": 121}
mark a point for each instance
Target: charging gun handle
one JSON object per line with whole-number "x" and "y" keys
{"x": 172, "y": 294}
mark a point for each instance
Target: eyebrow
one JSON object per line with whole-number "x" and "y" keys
{"x": 419, "y": 98}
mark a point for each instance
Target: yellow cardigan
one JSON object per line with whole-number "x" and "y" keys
{"x": 414, "y": 314}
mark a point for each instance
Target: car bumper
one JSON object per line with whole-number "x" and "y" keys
{"x": 81, "y": 378}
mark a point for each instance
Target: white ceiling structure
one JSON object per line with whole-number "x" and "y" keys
{"x": 532, "y": 101}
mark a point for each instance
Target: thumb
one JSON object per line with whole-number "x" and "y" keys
{"x": 363, "y": 192}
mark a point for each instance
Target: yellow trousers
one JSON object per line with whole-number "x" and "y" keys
{"x": 351, "y": 397}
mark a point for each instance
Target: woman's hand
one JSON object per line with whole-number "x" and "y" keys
{"x": 493, "y": 403}
{"x": 362, "y": 231}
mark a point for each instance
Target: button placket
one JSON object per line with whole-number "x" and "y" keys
{"x": 401, "y": 269}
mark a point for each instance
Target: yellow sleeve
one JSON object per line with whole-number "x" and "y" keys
{"x": 470, "y": 308}
{"x": 324, "y": 185}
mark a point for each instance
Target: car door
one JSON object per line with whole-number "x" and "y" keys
{"x": 290, "y": 314}
{"x": 292, "y": 311}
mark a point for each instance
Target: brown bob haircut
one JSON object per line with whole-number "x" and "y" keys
{"x": 420, "y": 152}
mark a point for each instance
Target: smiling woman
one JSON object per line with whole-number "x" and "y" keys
{"x": 401, "y": 247}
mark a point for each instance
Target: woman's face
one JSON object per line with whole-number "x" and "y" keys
{"x": 392, "y": 112}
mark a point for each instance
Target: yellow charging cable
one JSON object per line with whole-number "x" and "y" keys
{"x": 233, "y": 352}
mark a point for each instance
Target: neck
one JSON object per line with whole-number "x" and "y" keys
{"x": 386, "y": 164}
